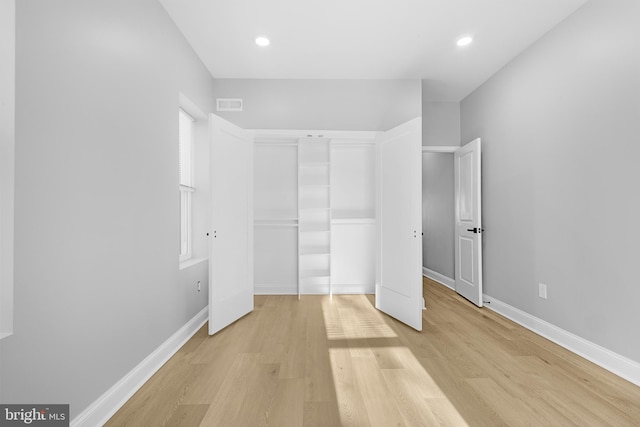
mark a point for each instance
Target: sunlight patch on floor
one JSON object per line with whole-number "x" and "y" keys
{"x": 377, "y": 379}
{"x": 344, "y": 321}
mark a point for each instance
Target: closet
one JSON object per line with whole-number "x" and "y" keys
{"x": 314, "y": 212}
{"x": 298, "y": 213}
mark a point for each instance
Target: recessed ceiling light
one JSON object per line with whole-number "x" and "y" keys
{"x": 464, "y": 41}
{"x": 262, "y": 41}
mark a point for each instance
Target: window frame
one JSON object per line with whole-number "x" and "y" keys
{"x": 185, "y": 191}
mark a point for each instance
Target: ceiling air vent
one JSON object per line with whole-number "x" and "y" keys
{"x": 229, "y": 104}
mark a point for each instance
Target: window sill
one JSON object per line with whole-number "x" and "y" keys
{"x": 4, "y": 335}
{"x": 191, "y": 262}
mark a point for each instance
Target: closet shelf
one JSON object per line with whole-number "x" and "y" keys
{"x": 353, "y": 214}
{"x": 273, "y": 219}
{"x": 274, "y": 224}
{"x": 319, "y": 250}
{"x": 306, "y": 274}
{"x": 314, "y": 211}
{"x": 338, "y": 221}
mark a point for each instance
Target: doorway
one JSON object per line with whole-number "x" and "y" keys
{"x": 452, "y": 214}
{"x": 438, "y": 204}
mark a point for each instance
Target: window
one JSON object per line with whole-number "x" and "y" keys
{"x": 185, "y": 132}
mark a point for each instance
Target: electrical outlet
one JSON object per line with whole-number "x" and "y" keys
{"x": 198, "y": 285}
{"x": 542, "y": 290}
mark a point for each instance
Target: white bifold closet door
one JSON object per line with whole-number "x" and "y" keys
{"x": 231, "y": 248}
{"x": 399, "y": 275}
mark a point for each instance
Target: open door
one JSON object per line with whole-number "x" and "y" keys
{"x": 399, "y": 275}
{"x": 231, "y": 250}
{"x": 468, "y": 246}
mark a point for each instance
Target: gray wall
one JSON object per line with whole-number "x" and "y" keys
{"x": 322, "y": 104}
{"x": 438, "y": 213}
{"x": 440, "y": 120}
{"x": 560, "y": 128}
{"x": 97, "y": 285}
{"x": 440, "y": 126}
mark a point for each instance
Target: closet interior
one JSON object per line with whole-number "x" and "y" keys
{"x": 314, "y": 212}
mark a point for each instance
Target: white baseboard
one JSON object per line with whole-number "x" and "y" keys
{"x": 338, "y": 289}
{"x": 607, "y": 359}
{"x": 440, "y": 278}
{"x": 354, "y": 289}
{"x": 99, "y": 412}
{"x": 262, "y": 289}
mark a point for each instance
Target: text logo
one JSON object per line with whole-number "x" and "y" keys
{"x": 34, "y": 415}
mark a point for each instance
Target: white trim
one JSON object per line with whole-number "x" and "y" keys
{"x": 191, "y": 108}
{"x": 439, "y": 148}
{"x": 191, "y": 262}
{"x": 337, "y": 289}
{"x": 291, "y": 289}
{"x": 440, "y": 278}
{"x": 281, "y": 289}
{"x": 331, "y": 134}
{"x": 357, "y": 289}
{"x": 275, "y": 142}
{"x": 607, "y": 359}
{"x": 99, "y": 412}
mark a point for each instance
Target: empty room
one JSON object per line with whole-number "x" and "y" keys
{"x": 319, "y": 213}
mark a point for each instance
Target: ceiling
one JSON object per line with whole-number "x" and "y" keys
{"x": 366, "y": 39}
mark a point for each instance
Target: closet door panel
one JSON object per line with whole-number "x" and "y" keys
{"x": 231, "y": 244}
{"x": 399, "y": 281}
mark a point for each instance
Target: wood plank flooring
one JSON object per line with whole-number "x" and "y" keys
{"x": 339, "y": 362}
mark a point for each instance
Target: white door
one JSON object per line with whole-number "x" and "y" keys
{"x": 468, "y": 247}
{"x": 399, "y": 275}
{"x": 231, "y": 254}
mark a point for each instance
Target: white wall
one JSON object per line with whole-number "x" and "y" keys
{"x": 7, "y": 149}
{"x": 438, "y": 225}
{"x": 321, "y": 104}
{"x": 560, "y": 127}
{"x": 97, "y": 285}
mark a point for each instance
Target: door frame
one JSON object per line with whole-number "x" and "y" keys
{"x": 444, "y": 149}
{"x": 440, "y": 148}
{"x": 449, "y": 282}
{"x": 471, "y": 289}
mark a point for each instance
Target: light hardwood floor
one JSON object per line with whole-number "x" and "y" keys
{"x": 339, "y": 362}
